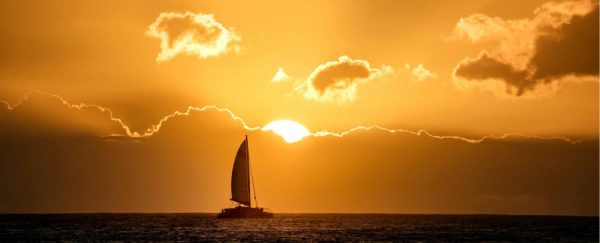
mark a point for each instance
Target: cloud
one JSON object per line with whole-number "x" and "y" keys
{"x": 40, "y": 114}
{"x": 420, "y": 73}
{"x": 44, "y": 114}
{"x": 558, "y": 43}
{"x": 194, "y": 34}
{"x": 337, "y": 81}
{"x": 281, "y": 77}
{"x": 191, "y": 154}
{"x": 47, "y": 115}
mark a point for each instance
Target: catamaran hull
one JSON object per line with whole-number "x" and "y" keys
{"x": 244, "y": 212}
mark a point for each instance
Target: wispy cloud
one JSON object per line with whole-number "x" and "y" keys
{"x": 281, "y": 77}
{"x": 418, "y": 73}
{"x": 421, "y": 73}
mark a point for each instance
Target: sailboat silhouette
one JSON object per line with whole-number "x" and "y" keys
{"x": 241, "y": 178}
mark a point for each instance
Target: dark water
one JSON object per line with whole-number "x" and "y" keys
{"x": 296, "y": 227}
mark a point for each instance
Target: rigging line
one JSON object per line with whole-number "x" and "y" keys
{"x": 252, "y": 175}
{"x": 248, "y": 176}
{"x": 253, "y": 188}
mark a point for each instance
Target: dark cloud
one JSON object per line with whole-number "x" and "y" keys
{"x": 43, "y": 115}
{"x": 487, "y": 67}
{"x": 559, "y": 45}
{"x": 571, "y": 50}
{"x": 186, "y": 167}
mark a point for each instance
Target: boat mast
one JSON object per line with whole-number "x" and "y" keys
{"x": 251, "y": 175}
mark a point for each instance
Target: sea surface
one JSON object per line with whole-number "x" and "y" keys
{"x": 295, "y": 227}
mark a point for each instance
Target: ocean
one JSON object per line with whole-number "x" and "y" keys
{"x": 296, "y": 227}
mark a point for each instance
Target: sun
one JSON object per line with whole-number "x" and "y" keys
{"x": 289, "y": 130}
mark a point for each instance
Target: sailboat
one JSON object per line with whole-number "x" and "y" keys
{"x": 241, "y": 178}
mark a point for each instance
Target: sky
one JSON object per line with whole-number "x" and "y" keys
{"x": 388, "y": 106}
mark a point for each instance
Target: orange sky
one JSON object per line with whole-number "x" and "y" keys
{"x": 461, "y": 71}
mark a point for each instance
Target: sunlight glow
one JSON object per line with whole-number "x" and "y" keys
{"x": 289, "y": 130}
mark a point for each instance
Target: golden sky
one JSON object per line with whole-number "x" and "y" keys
{"x": 393, "y": 106}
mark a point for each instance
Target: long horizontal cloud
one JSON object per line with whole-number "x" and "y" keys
{"x": 114, "y": 127}
{"x": 193, "y": 34}
{"x": 560, "y": 42}
{"x": 338, "y": 81}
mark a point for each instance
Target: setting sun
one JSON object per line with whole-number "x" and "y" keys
{"x": 289, "y": 130}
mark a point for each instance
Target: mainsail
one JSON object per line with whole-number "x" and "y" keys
{"x": 240, "y": 176}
